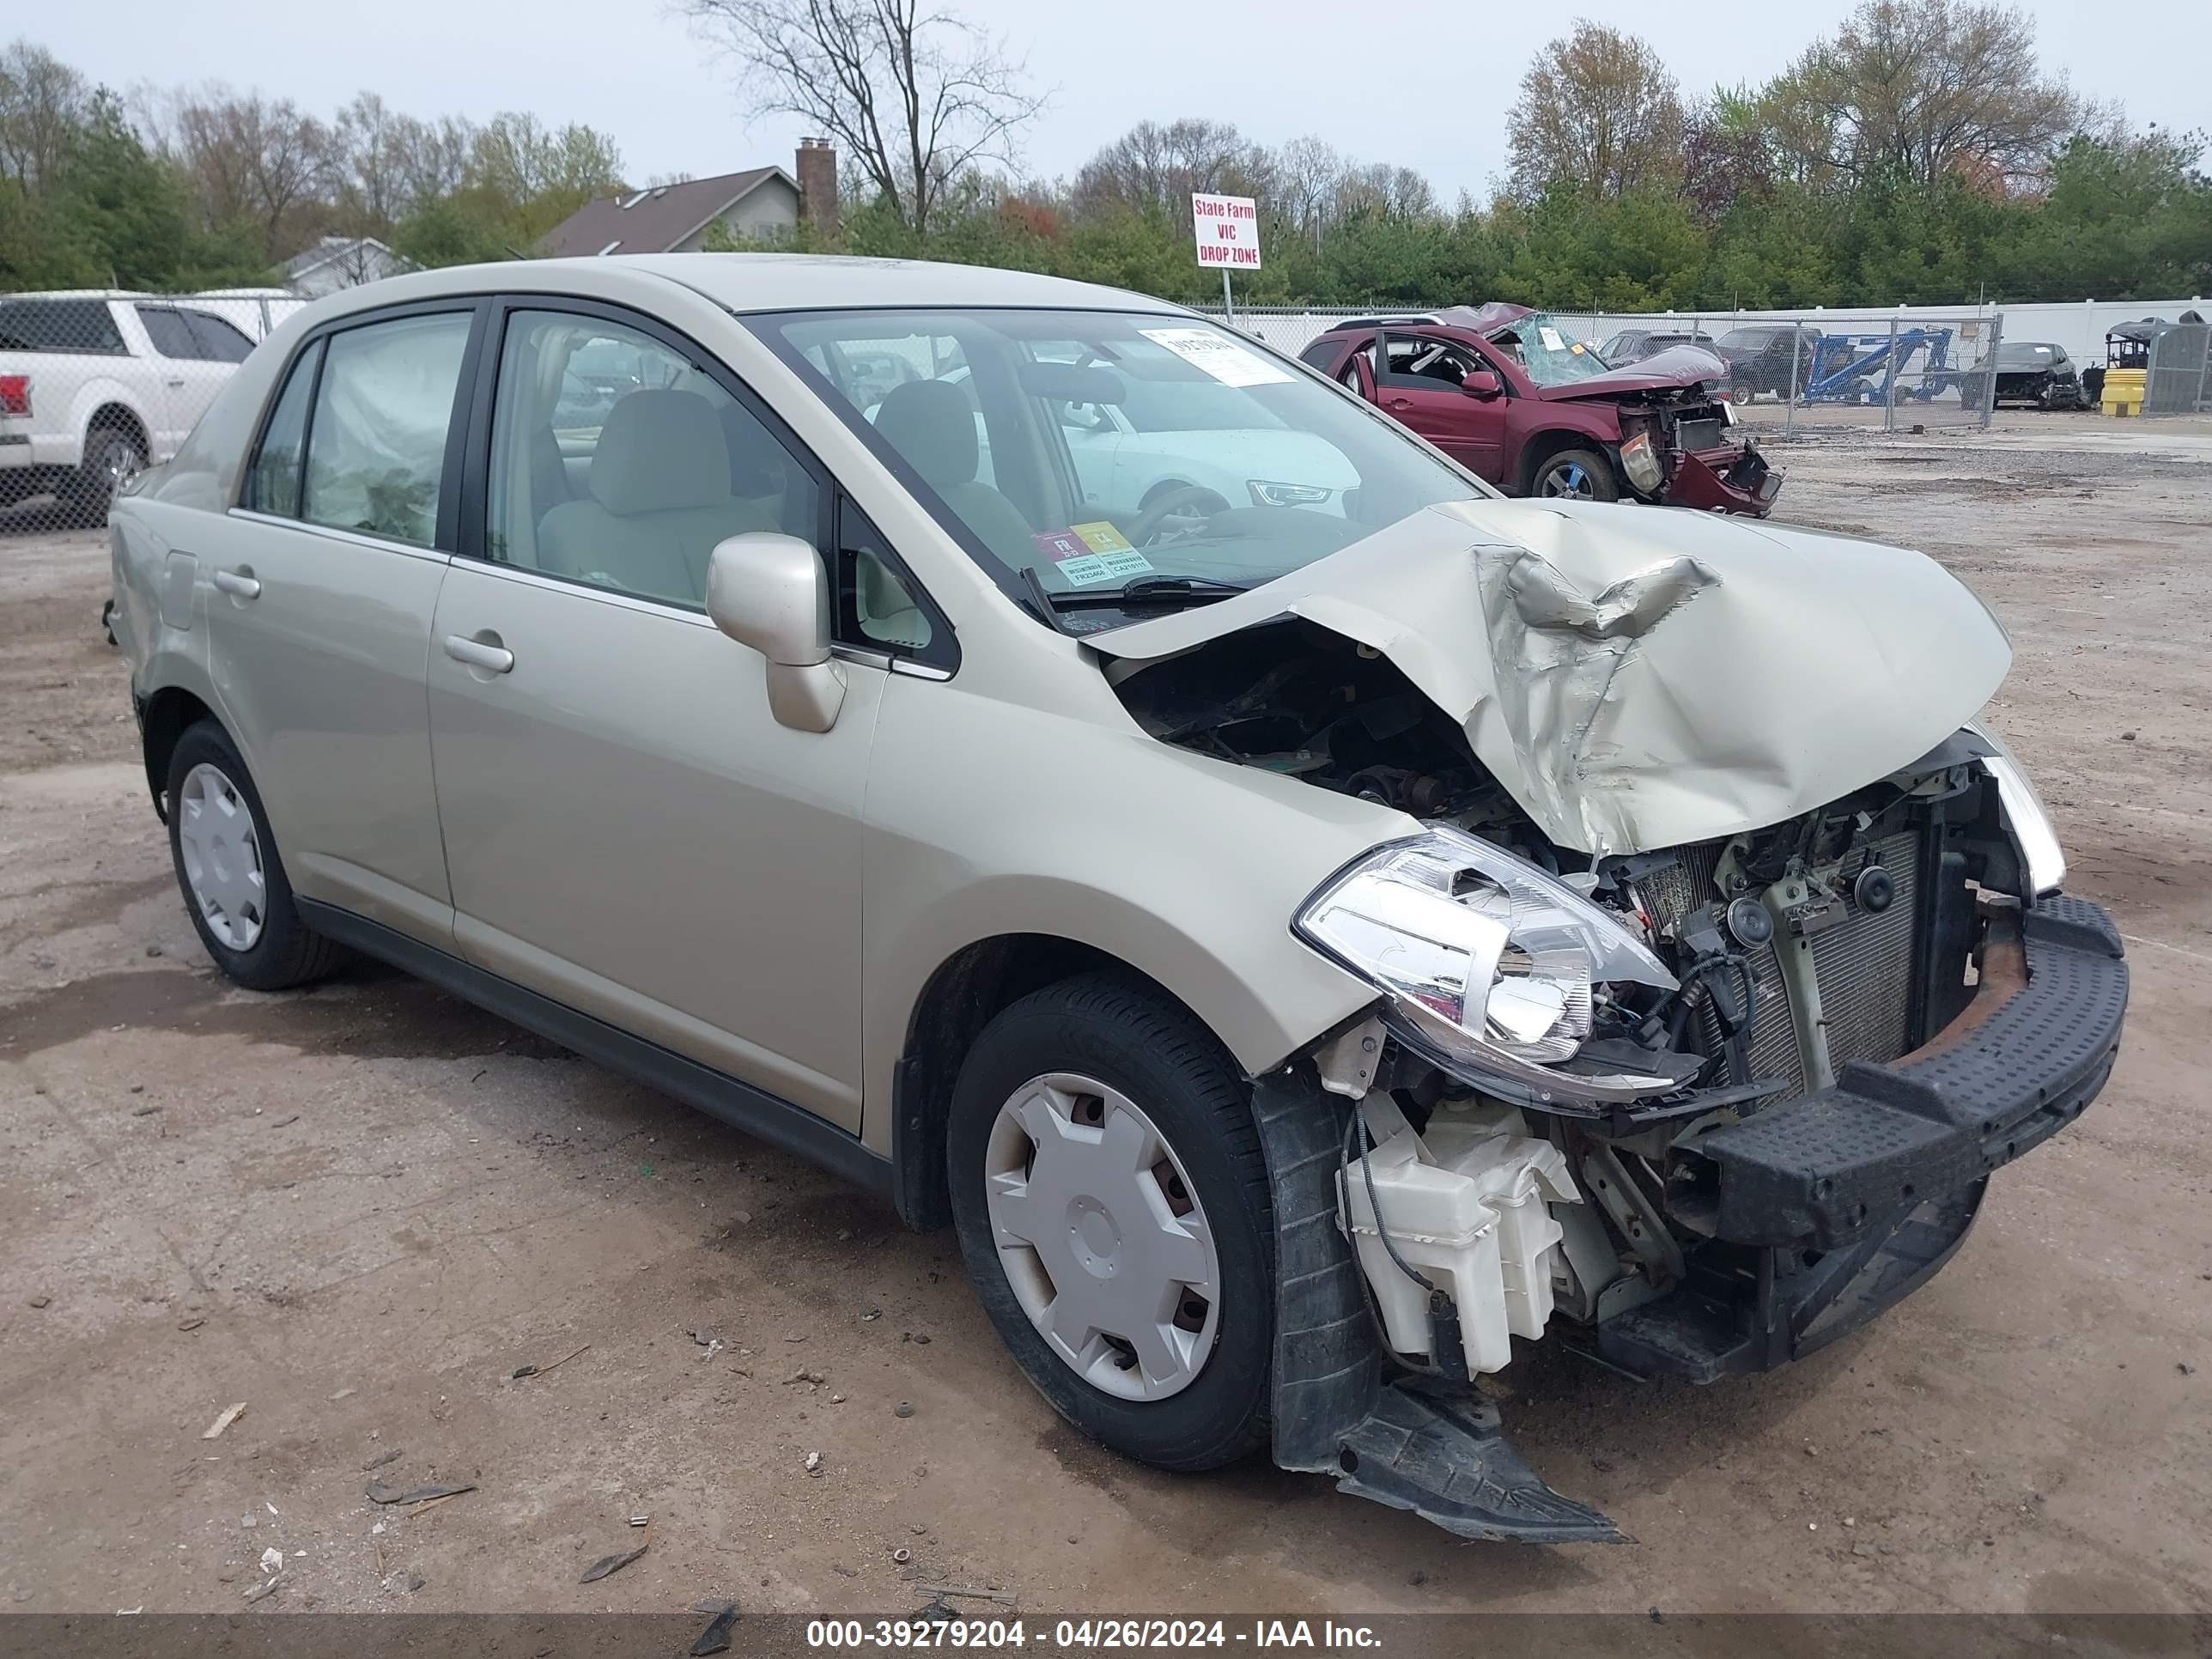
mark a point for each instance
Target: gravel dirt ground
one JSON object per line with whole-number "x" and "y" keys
{"x": 359, "y": 1210}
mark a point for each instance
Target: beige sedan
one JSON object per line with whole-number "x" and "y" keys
{"x": 1305, "y": 926}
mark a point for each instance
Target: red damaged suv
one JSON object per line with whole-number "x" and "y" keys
{"x": 1512, "y": 396}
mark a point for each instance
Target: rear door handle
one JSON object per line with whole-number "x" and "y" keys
{"x": 1402, "y": 403}
{"x": 238, "y": 584}
{"x": 493, "y": 659}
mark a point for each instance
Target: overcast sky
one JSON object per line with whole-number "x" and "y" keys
{"x": 633, "y": 69}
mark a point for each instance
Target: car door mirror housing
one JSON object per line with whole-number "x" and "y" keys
{"x": 772, "y": 594}
{"x": 1482, "y": 383}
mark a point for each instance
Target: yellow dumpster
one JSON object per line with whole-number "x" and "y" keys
{"x": 2122, "y": 392}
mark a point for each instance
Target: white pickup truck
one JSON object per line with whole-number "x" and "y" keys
{"x": 94, "y": 386}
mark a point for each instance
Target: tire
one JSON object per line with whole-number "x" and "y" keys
{"x": 1210, "y": 1406}
{"x": 258, "y": 940}
{"x": 1576, "y": 475}
{"x": 1742, "y": 394}
{"x": 111, "y": 456}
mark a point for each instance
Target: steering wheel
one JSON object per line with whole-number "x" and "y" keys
{"x": 1195, "y": 499}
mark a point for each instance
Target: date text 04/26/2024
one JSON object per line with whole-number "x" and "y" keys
{"x": 1087, "y": 1635}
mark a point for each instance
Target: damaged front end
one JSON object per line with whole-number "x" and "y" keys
{"x": 1680, "y": 447}
{"x": 1698, "y": 1075}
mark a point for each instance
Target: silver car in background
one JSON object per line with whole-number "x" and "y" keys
{"x": 1303, "y": 933}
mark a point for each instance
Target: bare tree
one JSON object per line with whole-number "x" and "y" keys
{"x": 1597, "y": 112}
{"x": 1308, "y": 170}
{"x": 42, "y": 103}
{"x": 916, "y": 97}
{"x": 254, "y": 160}
{"x": 1926, "y": 88}
{"x": 1385, "y": 191}
{"x": 1154, "y": 167}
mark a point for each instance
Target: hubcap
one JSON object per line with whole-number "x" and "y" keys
{"x": 222, "y": 856}
{"x": 1572, "y": 479}
{"x": 1102, "y": 1235}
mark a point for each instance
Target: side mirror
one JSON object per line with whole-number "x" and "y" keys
{"x": 1483, "y": 383}
{"x": 772, "y": 594}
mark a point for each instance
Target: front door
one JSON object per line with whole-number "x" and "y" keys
{"x": 628, "y": 829}
{"x": 1419, "y": 384}
{"x": 319, "y": 590}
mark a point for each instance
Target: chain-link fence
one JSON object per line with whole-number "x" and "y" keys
{"x": 94, "y": 386}
{"x": 2178, "y": 379}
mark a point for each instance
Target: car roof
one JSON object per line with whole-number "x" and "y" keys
{"x": 785, "y": 282}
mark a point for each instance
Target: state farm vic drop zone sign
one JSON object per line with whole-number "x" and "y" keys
{"x": 1228, "y": 228}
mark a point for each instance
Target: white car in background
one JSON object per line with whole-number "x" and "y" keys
{"x": 1137, "y": 443}
{"x": 1142, "y": 450}
{"x": 95, "y": 386}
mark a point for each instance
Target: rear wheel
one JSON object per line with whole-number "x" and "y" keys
{"x": 1112, "y": 1203}
{"x": 1742, "y": 394}
{"x": 228, "y": 864}
{"x": 111, "y": 456}
{"x": 1581, "y": 475}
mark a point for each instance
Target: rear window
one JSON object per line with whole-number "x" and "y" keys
{"x": 59, "y": 325}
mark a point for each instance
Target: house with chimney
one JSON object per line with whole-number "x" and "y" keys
{"x": 761, "y": 205}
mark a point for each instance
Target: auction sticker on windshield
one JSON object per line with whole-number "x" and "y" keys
{"x": 1225, "y": 359}
{"x": 1086, "y": 555}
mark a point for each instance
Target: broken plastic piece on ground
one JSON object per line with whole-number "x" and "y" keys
{"x": 230, "y": 1415}
{"x": 607, "y": 1564}
{"x": 1448, "y": 1463}
{"x": 379, "y": 1493}
{"x": 715, "y": 1638}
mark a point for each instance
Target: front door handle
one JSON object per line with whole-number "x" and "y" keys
{"x": 239, "y": 584}
{"x": 173, "y": 384}
{"x": 1402, "y": 403}
{"x": 492, "y": 659}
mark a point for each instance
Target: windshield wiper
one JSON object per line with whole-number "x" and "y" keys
{"x": 1148, "y": 589}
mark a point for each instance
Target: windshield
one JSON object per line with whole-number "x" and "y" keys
{"x": 1748, "y": 339}
{"x": 1547, "y": 353}
{"x": 1073, "y": 453}
{"x": 2028, "y": 356}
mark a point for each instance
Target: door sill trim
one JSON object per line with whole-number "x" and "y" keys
{"x": 771, "y": 1118}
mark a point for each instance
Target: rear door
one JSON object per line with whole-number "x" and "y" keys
{"x": 324, "y": 579}
{"x": 1419, "y": 384}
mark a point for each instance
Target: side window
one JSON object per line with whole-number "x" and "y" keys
{"x": 273, "y": 485}
{"x": 376, "y": 453}
{"x": 167, "y": 330}
{"x": 219, "y": 341}
{"x": 618, "y": 461}
{"x": 1430, "y": 364}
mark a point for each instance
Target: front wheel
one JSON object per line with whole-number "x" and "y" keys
{"x": 1113, "y": 1206}
{"x": 226, "y": 863}
{"x": 1581, "y": 475}
{"x": 1742, "y": 394}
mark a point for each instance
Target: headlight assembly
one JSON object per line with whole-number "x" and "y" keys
{"x": 2024, "y": 812}
{"x": 1267, "y": 493}
{"x": 1494, "y": 962}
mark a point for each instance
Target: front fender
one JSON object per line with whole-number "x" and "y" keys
{"x": 986, "y": 819}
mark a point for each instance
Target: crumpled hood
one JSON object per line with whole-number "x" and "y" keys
{"x": 1681, "y": 366}
{"x": 1643, "y": 677}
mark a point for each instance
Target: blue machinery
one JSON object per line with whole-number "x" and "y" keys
{"x": 1861, "y": 369}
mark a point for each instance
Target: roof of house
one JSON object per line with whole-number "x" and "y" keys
{"x": 335, "y": 247}
{"x": 653, "y": 221}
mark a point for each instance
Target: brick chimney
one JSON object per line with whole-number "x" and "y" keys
{"x": 817, "y": 187}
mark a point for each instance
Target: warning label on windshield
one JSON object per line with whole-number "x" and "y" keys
{"x": 1218, "y": 356}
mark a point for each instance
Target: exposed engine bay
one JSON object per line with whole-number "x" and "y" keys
{"x": 1481, "y": 1206}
